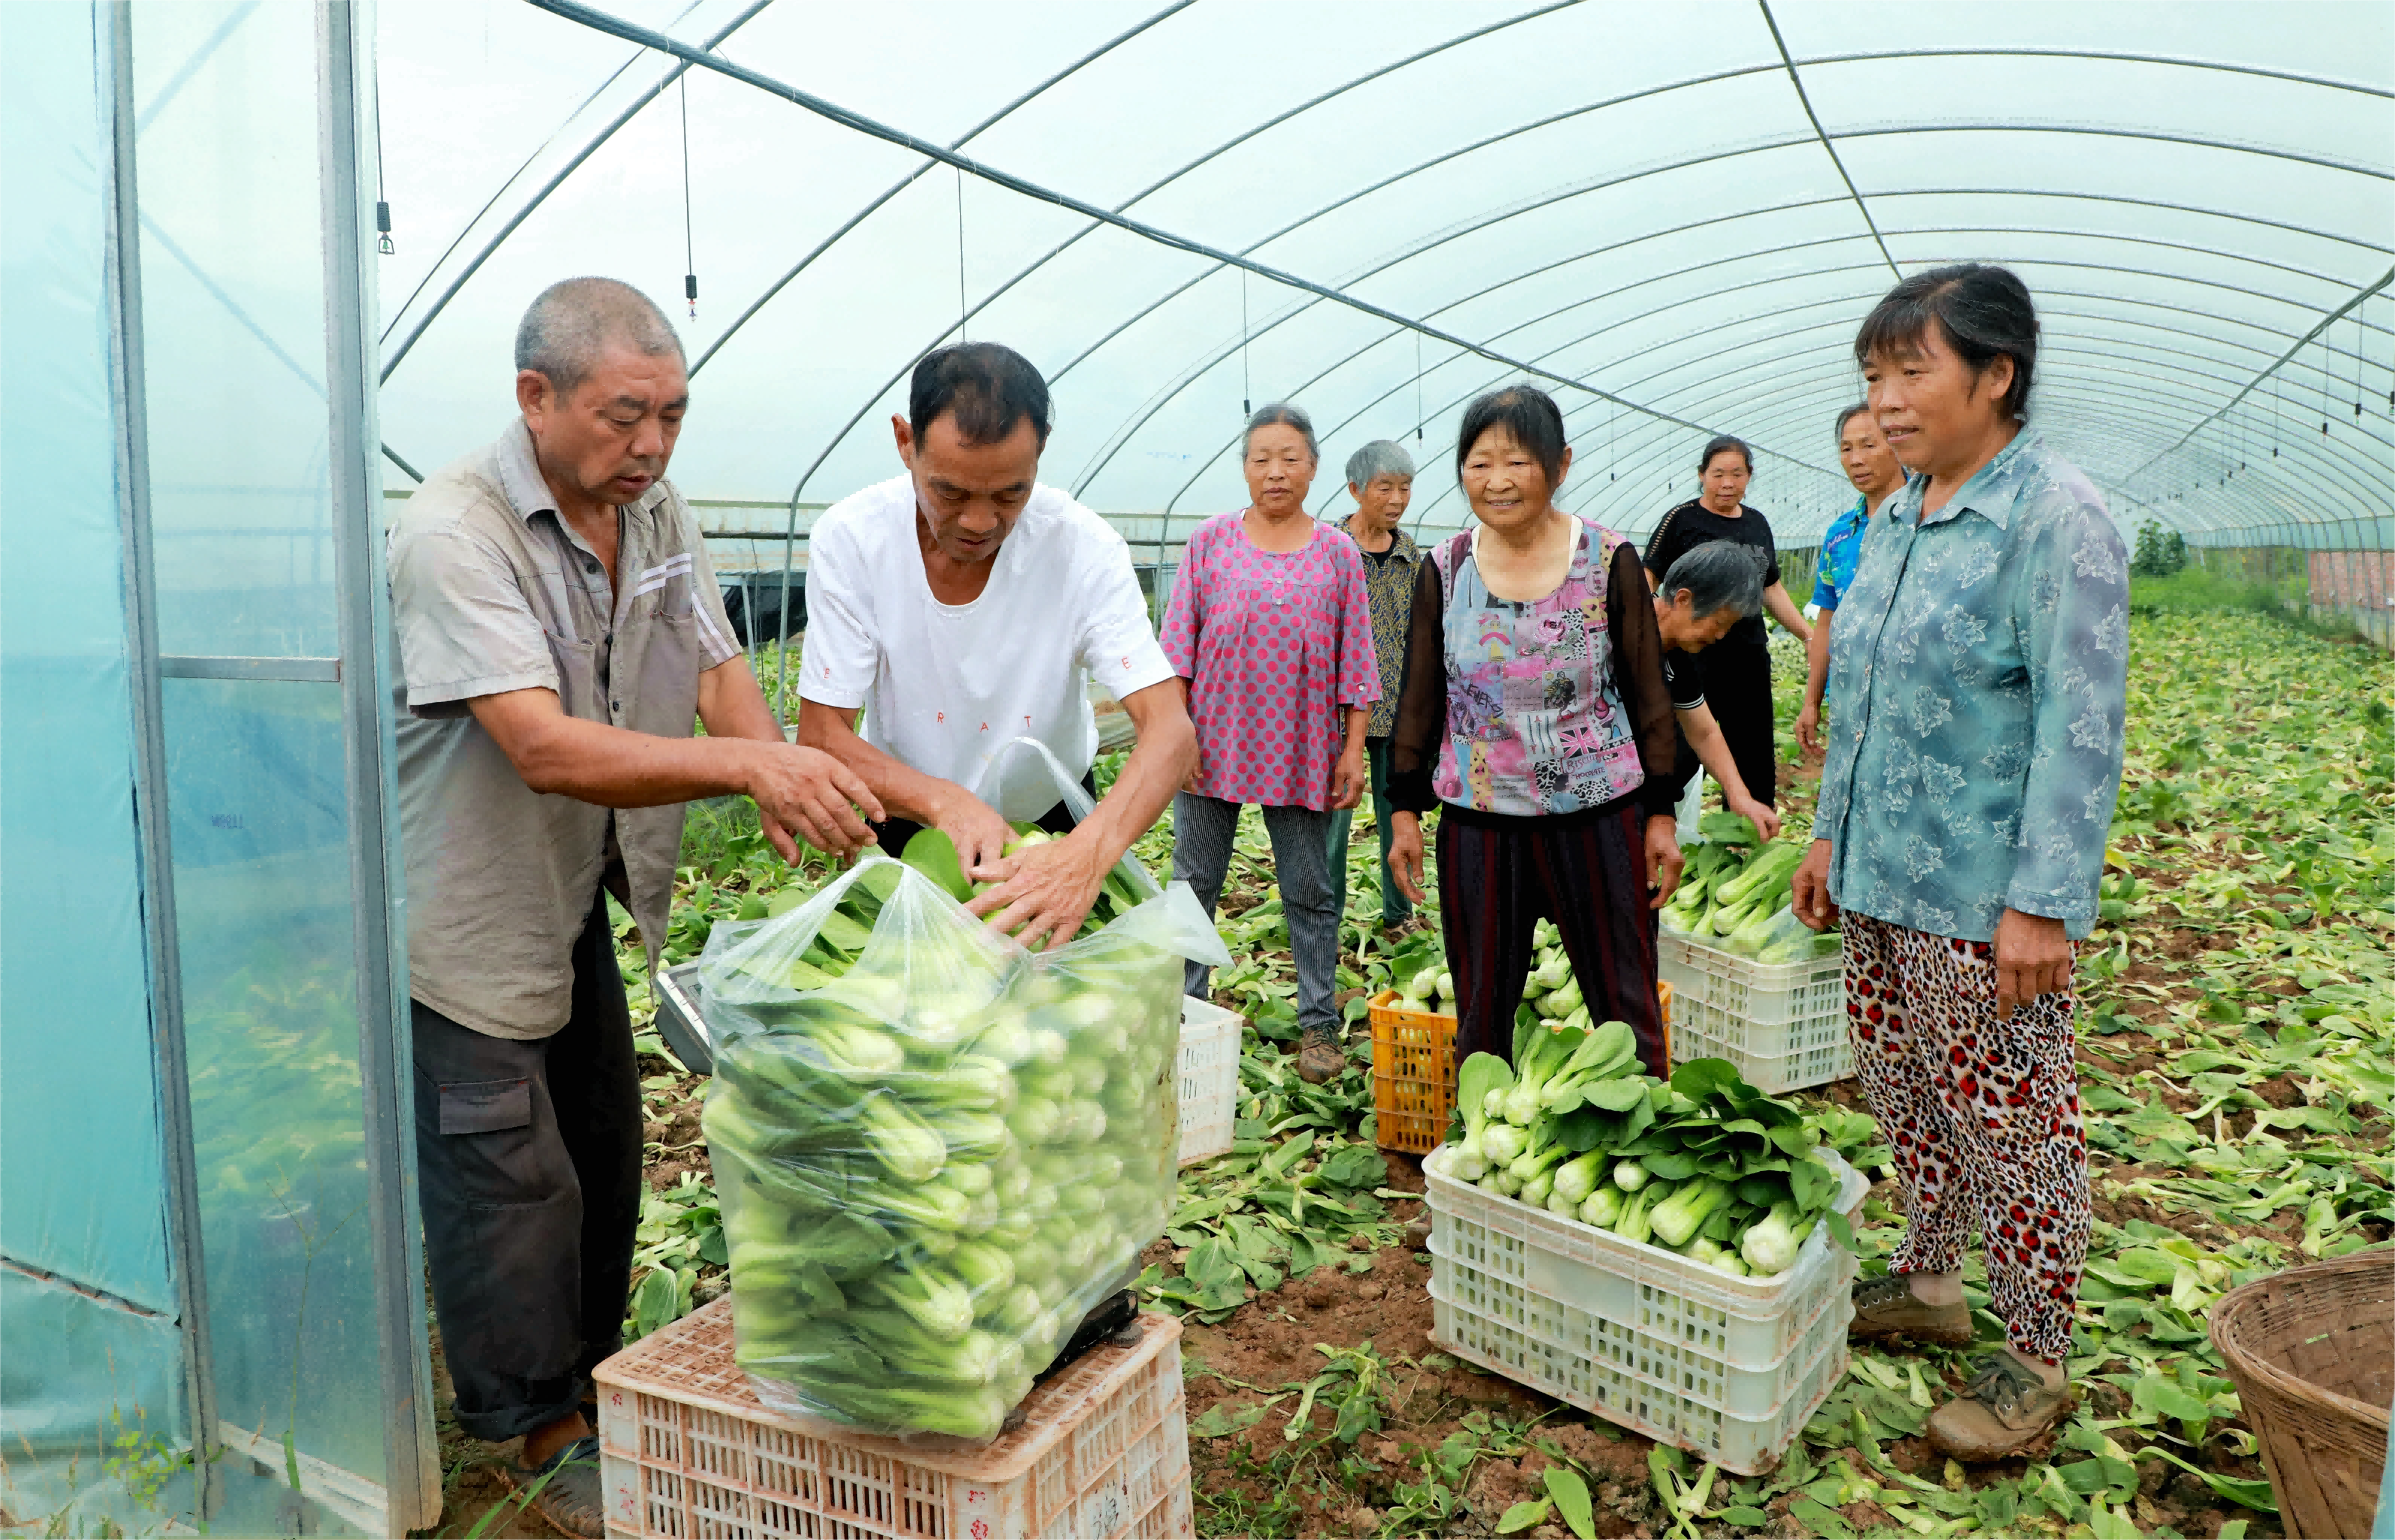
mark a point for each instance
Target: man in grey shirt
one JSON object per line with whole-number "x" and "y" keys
{"x": 559, "y": 629}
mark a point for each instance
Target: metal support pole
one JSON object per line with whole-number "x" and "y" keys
{"x": 411, "y": 1462}
{"x": 185, "y": 1250}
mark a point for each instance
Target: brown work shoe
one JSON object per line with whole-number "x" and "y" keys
{"x": 562, "y": 1489}
{"x": 2005, "y": 1410}
{"x": 1888, "y": 1308}
{"x": 1321, "y": 1058}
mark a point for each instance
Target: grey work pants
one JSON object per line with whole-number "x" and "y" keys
{"x": 528, "y": 1166}
{"x": 1395, "y": 907}
{"x": 1202, "y": 830}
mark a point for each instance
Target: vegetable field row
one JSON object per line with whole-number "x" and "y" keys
{"x": 2238, "y": 1067}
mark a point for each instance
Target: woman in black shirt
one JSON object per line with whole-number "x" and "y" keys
{"x": 1737, "y": 671}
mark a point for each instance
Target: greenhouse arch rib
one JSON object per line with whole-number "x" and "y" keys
{"x": 524, "y": 210}
{"x": 1170, "y": 239}
{"x": 1123, "y": 435}
{"x": 1196, "y": 371}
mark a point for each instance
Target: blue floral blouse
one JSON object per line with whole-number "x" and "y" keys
{"x": 1840, "y": 544}
{"x": 1980, "y": 664}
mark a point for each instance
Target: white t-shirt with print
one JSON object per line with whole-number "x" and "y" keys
{"x": 945, "y": 686}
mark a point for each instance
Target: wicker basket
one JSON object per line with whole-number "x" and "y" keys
{"x": 2312, "y": 1351}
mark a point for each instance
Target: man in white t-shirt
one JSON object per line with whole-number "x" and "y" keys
{"x": 963, "y": 606}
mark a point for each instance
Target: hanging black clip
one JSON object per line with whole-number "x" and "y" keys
{"x": 382, "y": 228}
{"x": 689, "y": 291}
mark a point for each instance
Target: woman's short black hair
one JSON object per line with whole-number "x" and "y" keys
{"x": 989, "y": 385}
{"x": 1722, "y": 443}
{"x": 1529, "y": 415}
{"x": 1982, "y": 309}
{"x": 1858, "y": 409}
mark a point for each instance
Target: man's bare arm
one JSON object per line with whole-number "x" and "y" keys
{"x": 616, "y": 767}
{"x": 979, "y": 834}
{"x": 1044, "y": 894}
{"x": 732, "y": 703}
{"x": 1162, "y": 757}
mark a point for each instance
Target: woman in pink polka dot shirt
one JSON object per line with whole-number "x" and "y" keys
{"x": 1271, "y": 631}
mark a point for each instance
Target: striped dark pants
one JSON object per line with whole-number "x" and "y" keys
{"x": 1589, "y": 876}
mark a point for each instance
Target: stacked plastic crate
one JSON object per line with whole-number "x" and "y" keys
{"x": 1731, "y": 1368}
{"x": 1783, "y": 1024}
{"x": 686, "y": 1449}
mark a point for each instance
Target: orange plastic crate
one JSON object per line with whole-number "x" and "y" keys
{"x": 1413, "y": 1075}
{"x": 1413, "y": 1071}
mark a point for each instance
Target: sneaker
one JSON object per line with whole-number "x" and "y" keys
{"x": 563, "y": 1489}
{"x": 1888, "y": 1308}
{"x": 1322, "y": 1058}
{"x": 2007, "y": 1409}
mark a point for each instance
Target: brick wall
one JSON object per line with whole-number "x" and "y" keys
{"x": 2357, "y": 585}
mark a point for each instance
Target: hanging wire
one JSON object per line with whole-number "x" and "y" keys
{"x": 2325, "y": 363}
{"x": 962, "y": 306}
{"x": 1247, "y": 395}
{"x": 1417, "y": 389}
{"x": 382, "y": 200}
{"x": 689, "y": 245}
{"x": 2358, "y": 346}
{"x": 1612, "y": 441}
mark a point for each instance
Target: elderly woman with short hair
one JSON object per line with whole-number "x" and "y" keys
{"x": 1380, "y": 479}
{"x": 1271, "y": 632}
{"x": 1709, "y": 589}
{"x": 1738, "y": 672}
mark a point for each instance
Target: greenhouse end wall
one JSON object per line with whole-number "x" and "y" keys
{"x": 211, "y": 1300}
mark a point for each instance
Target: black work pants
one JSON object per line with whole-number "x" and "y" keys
{"x": 528, "y": 1164}
{"x": 1738, "y": 689}
{"x": 1499, "y": 877}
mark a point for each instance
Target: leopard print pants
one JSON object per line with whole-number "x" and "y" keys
{"x": 1983, "y": 1116}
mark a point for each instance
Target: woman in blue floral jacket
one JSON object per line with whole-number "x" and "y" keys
{"x": 1981, "y": 666}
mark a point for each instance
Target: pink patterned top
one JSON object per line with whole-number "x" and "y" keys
{"x": 1272, "y": 645}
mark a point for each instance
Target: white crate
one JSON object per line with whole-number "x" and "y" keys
{"x": 1210, "y": 1077}
{"x": 1745, "y": 1446}
{"x": 687, "y": 1450}
{"x": 1638, "y": 1335}
{"x": 1783, "y": 1025}
{"x": 1817, "y": 1052}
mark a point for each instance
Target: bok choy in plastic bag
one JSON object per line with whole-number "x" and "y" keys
{"x": 935, "y": 1151}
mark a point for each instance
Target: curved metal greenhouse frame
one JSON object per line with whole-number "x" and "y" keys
{"x": 1676, "y": 233}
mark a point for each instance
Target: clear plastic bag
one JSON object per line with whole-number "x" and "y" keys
{"x": 934, "y": 1165}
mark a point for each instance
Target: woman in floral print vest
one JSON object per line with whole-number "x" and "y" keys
{"x": 1981, "y": 666}
{"x": 1535, "y": 717}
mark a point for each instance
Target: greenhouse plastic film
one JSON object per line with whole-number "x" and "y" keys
{"x": 934, "y": 1163}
